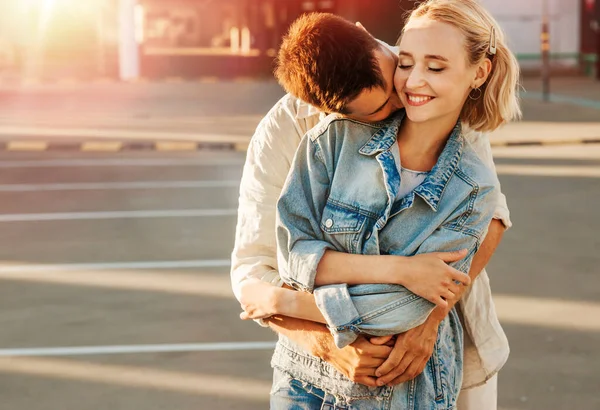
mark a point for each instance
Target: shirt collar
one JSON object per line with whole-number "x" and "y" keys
{"x": 433, "y": 186}
{"x": 305, "y": 110}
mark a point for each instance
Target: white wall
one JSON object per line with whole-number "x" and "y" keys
{"x": 521, "y": 21}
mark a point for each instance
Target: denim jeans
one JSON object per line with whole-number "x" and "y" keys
{"x": 288, "y": 393}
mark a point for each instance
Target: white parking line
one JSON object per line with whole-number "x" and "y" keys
{"x": 207, "y": 263}
{"x": 124, "y": 162}
{"x": 129, "y": 349}
{"x": 117, "y": 186}
{"x": 549, "y": 170}
{"x": 78, "y": 216}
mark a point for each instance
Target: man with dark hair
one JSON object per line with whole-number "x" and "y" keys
{"x": 329, "y": 65}
{"x": 312, "y": 66}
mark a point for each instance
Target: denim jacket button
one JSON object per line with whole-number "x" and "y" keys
{"x": 329, "y": 223}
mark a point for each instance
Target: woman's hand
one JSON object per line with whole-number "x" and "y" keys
{"x": 258, "y": 299}
{"x": 429, "y": 276}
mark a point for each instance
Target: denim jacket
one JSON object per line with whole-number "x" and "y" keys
{"x": 341, "y": 195}
{"x": 268, "y": 162}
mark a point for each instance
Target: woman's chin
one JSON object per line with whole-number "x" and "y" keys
{"x": 417, "y": 116}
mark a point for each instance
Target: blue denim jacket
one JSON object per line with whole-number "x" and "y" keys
{"x": 341, "y": 195}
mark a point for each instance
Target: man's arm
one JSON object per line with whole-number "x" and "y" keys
{"x": 255, "y": 256}
{"x": 414, "y": 347}
{"x": 357, "y": 361}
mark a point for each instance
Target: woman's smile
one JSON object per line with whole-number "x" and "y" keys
{"x": 417, "y": 100}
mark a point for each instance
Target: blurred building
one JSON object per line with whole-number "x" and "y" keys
{"x": 191, "y": 38}
{"x": 232, "y": 38}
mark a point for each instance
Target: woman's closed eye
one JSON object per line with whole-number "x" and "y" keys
{"x": 433, "y": 69}
{"x": 436, "y": 69}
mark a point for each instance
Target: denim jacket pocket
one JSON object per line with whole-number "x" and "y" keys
{"x": 343, "y": 225}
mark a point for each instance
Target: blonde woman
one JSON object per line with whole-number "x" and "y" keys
{"x": 404, "y": 186}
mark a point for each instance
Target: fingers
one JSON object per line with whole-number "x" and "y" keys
{"x": 370, "y": 363}
{"x": 448, "y": 295}
{"x": 415, "y": 369}
{"x": 245, "y": 316}
{"x": 359, "y": 25}
{"x": 452, "y": 256}
{"x": 460, "y": 277}
{"x": 381, "y": 340}
{"x": 391, "y": 362}
{"x": 406, "y": 361}
{"x": 439, "y": 301}
{"x": 365, "y": 348}
{"x": 454, "y": 288}
{"x": 366, "y": 380}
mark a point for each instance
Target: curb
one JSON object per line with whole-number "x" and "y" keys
{"x": 191, "y": 146}
{"x": 575, "y": 141}
{"x": 119, "y": 146}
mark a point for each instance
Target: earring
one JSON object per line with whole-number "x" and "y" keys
{"x": 478, "y": 95}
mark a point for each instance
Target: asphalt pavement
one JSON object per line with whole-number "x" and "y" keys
{"x": 115, "y": 291}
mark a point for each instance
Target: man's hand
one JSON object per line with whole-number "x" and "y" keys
{"x": 410, "y": 354}
{"x": 359, "y": 360}
{"x": 258, "y": 299}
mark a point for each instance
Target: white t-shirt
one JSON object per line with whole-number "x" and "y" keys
{"x": 409, "y": 179}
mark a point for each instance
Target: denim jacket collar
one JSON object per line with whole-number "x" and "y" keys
{"x": 432, "y": 188}
{"x": 385, "y": 137}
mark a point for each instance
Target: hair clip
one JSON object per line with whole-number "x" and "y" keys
{"x": 493, "y": 44}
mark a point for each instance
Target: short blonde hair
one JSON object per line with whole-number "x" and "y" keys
{"x": 499, "y": 102}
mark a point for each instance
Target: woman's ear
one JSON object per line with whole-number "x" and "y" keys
{"x": 482, "y": 73}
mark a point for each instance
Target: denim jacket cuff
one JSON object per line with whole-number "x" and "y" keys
{"x": 336, "y": 305}
{"x": 303, "y": 262}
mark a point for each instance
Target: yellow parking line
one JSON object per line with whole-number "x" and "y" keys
{"x": 241, "y": 146}
{"x": 26, "y": 146}
{"x": 176, "y": 146}
{"x": 104, "y": 146}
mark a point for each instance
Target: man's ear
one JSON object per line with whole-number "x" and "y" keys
{"x": 482, "y": 73}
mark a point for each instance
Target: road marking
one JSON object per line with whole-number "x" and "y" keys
{"x": 147, "y": 378}
{"x": 125, "y": 162}
{"x": 152, "y": 277}
{"x": 83, "y": 186}
{"x": 549, "y": 170}
{"x": 78, "y": 216}
{"x": 103, "y": 146}
{"x": 129, "y": 349}
{"x": 546, "y": 312}
{"x": 176, "y": 146}
{"x": 560, "y": 98}
{"x": 577, "y": 152}
{"x": 26, "y": 146}
{"x": 202, "y": 263}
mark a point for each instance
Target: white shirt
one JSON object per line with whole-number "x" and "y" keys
{"x": 269, "y": 158}
{"x": 409, "y": 179}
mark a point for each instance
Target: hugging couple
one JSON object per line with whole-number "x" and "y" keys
{"x": 369, "y": 207}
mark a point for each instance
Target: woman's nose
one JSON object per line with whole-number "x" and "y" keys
{"x": 415, "y": 80}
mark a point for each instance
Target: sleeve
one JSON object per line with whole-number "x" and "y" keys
{"x": 380, "y": 310}
{"x": 300, "y": 240}
{"x": 481, "y": 144}
{"x": 268, "y": 160}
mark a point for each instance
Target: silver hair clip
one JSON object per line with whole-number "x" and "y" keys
{"x": 492, "y": 50}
